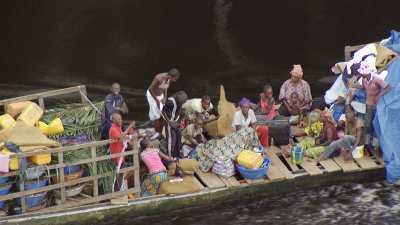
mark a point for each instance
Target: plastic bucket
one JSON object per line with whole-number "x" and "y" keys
{"x": 35, "y": 200}
{"x": 254, "y": 173}
{"x": 3, "y": 180}
{"x": 72, "y": 169}
{"x": 5, "y": 189}
{"x": 35, "y": 184}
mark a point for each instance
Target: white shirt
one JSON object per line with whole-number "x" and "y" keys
{"x": 240, "y": 120}
{"x": 194, "y": 106}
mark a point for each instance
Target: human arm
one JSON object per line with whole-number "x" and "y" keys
{"x": 166, "y": 157}
{"x": 154, "y": 88}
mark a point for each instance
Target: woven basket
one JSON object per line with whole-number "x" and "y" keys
{"x": 68, "y": 177}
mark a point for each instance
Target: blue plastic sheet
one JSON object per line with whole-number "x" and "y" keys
{"x": 387, "y": 123}
{"x": 394, "y": 42}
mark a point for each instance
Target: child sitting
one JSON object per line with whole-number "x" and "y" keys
{"x": 267, "y": 103}
{"x": 157, "y": 173}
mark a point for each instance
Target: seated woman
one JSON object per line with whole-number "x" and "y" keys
{"x": 192, "y": 136}
{"x": 266, "y": 106}
{"x": 157, "y": 173}
{"x": 245, "y": 117}
{"x": 353, "y": 138}
{"x": 302, "y": 89}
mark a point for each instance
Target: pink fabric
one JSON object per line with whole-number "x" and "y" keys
{"x": 373, "y": 87}
{"x": 4, "y": 163}
{"x": 152, "y": 160}
{"x": 268, "y": 109}
{"x": 302, "y": 88}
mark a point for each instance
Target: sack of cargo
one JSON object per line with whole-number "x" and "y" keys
{"x": 6, "y": 121}
{"x": 13, "y": 109}
{"x": 224, "y": 167}
{"x": 222, "y": 126}
{"x": 31, "y": 114}
{"x": 188, "y": 166}
{"x": 14, "y": 162}
{"x": 188, "y": 185}
{"x": 358, "y": 152}
{"x": 41, "y": 159}
{"x": 250, "y": 159}
{"x": 28, "y": 136}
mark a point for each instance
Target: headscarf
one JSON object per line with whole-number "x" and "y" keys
{"x": 297, "y": 71}
{"x": 244, "y": 102}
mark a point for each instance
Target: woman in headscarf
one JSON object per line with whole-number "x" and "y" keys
{"x": 297, "y": 85}
{"x": 245, "y": 117}
{"x": 329, "y": 133}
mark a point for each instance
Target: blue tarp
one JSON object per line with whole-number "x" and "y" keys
{"x": 394, "y": 42}
{"x": 387, "y": 123}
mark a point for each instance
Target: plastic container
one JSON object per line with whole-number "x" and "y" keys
{"x": 43, "y": 127}
{"x": 13, "y": 109}
{"x": 7, "y": 121}
{"x": 72, "y": 169}
{"x": 35, "y": 184}
{"x": 3, "y": 180}
{"x": 31, "y": 114}
{"x": 55, "y": 127}
{"x": 297, "y": 155}
{"x": 254, "y": 173}
{"x": 250, "y": 159}
{"x": 14, "y": 162}
{"x": 5, "y": 189}
{"x": 35, "y": 200}
{"x": 33, "y": 173}
{"x": 41, "y": 159}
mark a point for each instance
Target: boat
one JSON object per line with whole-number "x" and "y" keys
{"x": 283, "y": 176}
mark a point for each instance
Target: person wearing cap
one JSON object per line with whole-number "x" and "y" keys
{"x": 157, "y": 92}
{"x": 245, "y": 117}
{"x": 297, "y": 85}
{"x": 375, "y": 88}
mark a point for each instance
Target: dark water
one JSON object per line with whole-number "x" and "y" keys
{"x": 374, "y": 203}
{"x": 241, "y": 44}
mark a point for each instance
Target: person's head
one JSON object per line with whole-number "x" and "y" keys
{"x": 296, "y": 73}
{"x": 244, "y": 105}
{"x": 180, "y": 97}
{"x": 174, "y": 74}
{"x": 364, "y": 70}
{"x": 206, "y": 102}
{"x": 198, "y": 122}
{"x": 116, "y": 119}
{"x": 268, "y": 91}
{"x": 349, "y": 113}
{"x": 145, "y": 143}
{"x": 326, "y": 116}
{"x": 115, "y": 88}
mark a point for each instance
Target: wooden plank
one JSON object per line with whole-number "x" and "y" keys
{"x": 61, "y": 172}
{"x": 275, "y": 161}
{"x": 95, "y": 181}
{"x": 23, "y": 201}
{"x": 257, "y": 181}
{"x": 230, "y": 182}
{"x": 136, "y": 163}
{"x": 65, "y": 184}
{"x": 297, "y": 131}
{"x": 45, "y": 94}
{"x": 274, "y": 173}
{"x": 292, "y": 166}
{"x": 41, "y": 103}
{"x": 311, "y": 168}
{"x": 210, "y": 179}
{"x": 366, "y": 163}
{"x": 347, "y": 166}
{"x": 198, "y": 182}
{"x": 330, "y": 166}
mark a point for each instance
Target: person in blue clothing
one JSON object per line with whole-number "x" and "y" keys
{"x": 113, "y": 103}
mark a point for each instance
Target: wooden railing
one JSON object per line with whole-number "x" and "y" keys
{"x": 62, "y": 184}
{"x": 42, "y": 95}
{"x": 58, "y": 167}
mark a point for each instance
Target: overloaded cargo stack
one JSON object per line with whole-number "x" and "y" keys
{"x": 25, "y": 127}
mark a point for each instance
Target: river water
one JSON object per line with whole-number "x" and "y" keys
{"x": 349, "y": 203}
{"x": 241, "y": 44}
